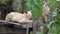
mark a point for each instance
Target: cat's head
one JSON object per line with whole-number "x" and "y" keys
{"x": 29, "y": 14}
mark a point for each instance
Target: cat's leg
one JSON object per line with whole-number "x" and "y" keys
{"x": 22, "y": 20}
{"x": 25, "y": 20}
{"x": 29, "y": 20}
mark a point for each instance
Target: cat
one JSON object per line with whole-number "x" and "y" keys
{"x": 19, "y": 17}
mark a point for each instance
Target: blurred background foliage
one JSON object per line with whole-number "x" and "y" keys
{"x": 36, "y": 7}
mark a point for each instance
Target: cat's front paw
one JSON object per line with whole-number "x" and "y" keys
{"x": 31, "y": 21}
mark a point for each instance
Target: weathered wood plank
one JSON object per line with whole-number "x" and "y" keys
{"x": 24, "y": 25}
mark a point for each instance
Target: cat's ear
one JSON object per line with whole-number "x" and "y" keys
{"x": 24, "y": 13}
{"x": 29, "y": 11}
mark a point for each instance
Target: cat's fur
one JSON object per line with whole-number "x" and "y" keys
{"x": 19, "y": 17}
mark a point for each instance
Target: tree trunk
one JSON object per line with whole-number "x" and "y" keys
{"x": 16, "y": 3}
{"x": 24, "y": 7}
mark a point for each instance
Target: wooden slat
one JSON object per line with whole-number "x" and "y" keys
{"x": 25, "y": 25}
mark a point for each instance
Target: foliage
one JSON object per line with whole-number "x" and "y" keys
{"x": 36, "y": 7}
{"x": 2, "y": 1}
{"x": 52, "y": 16}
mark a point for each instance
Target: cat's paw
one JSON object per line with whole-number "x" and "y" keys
{"x": 30, "y": 20}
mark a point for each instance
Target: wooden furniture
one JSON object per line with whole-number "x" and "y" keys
{"x": 14, "y": 27}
